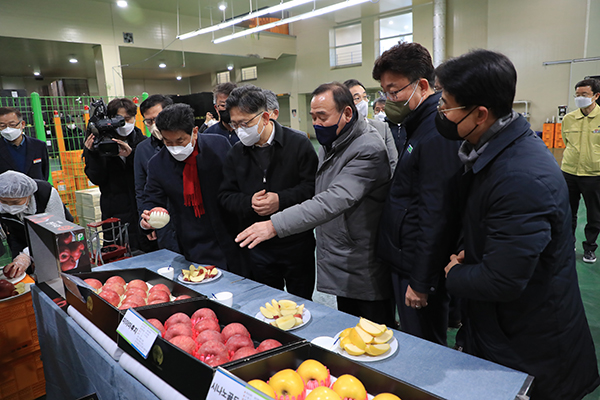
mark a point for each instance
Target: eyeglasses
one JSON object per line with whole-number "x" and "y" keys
{"x": 358, "y": 98}
{"x": 10, "y": 125}
{"x": 244, "y": 124}
{"x": 393, "y": 95}
{"x": 583, "y": 95}
{"x": 442, "y": 112}
{"x": 149, "y": 121}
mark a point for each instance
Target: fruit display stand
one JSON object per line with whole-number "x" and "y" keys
{"x": 167, "y": 361}
{"x": 69, "y": 352}
{"x": 101, "y": 313}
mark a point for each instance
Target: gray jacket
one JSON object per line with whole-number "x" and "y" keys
{"x": 351, "y": 187}
{"x": 388, "y": 138}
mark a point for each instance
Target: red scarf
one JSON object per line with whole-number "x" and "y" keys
{"x": 192, "y": 195}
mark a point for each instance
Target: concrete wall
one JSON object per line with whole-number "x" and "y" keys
{"x": 529, "y": 32}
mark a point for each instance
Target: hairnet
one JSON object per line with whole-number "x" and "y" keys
{"x": 15, "y": 184}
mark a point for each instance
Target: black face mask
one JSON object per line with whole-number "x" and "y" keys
{"x": 449, "y": 129}
{"x": 224, "y": 115}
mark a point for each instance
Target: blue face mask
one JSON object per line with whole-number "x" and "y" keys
{"x": 326, "y": 135}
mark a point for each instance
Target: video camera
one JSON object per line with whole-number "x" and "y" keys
{"x": 104, "y": 129}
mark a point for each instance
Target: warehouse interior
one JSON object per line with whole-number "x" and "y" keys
{"x": 97, "y": 48}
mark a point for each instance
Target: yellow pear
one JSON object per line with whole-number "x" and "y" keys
{"x": 364, "y": 335}
{"x": 353, "y": 350}
{"x": 384, "y": 337}
{"x": 370, "y": 327}
{"x": 377, "y": 349}
{"x": 356, "y": 339}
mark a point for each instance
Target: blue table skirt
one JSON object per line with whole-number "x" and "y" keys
{"x": 75, "y": 365}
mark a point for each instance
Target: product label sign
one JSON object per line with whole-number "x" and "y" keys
{"x": 137, "y": 332}
{"x": 226, "y": 386}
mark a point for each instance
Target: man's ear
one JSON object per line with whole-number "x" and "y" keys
{"x": 482, "y": 114}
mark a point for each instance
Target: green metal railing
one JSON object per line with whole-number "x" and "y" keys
{"x": 61, "y": 122}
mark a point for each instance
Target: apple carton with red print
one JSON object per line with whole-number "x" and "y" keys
{"x": 56, "y": 246}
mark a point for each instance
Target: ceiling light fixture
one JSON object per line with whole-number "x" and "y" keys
{"x": 256, "y": 14}
{"x": 162, "y": 65}
{"x": 122, "y": 3}
{"x": 311, "y": 14}
{"x": 73, "y": 60}
{"x": 222, "y": 6}
{"x": 36, "y": 73}
{"x": 230, "y": 67}
{"x": 178, "y": 77}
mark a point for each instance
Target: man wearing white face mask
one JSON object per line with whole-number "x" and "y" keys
{"x": 186, "y": 174}
{"x": 21, "y": 196}
{"x": 115, "y": 175}
{"x": 19, "y": 152}
{"x": 271, "y": 169}
{"x": 581, "y": 164}
{"x": 150, "y": 108}
{"x": 361, "y": 101}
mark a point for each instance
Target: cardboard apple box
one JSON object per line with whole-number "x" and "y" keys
{"x": 56, "y": 246}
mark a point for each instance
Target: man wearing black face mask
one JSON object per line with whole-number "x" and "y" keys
{"x": 418, "y": 230}
{"x": 220, "y": 94}
{"x": 516, "y": 275}
{"x": 350, "y": 188}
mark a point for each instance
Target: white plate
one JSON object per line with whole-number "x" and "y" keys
{"x": 14, "y": 280}
{"x": 366, "y": 358}
{"x": 305, "y": 318}
{"x": 207, "y": 280}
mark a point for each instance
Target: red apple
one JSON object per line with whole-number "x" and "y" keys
{"x": 111, "y": 296}
{"x": 158, "y": 325}
{"x": 138, "y": 283}
{"x": 179, "y": 330}
{"x": 207, "y": 324}
{"x": 235, "y": 328}
{"x": 243, "y": 353}
{"x": 267, "y": 344}
{"x": 237, "y": 342}
{"x": 115, "y": 279}
{"x": 158, "y": 295}
{"x": 137, "y": 291}
{"x": 95, "y": 283}
{"x": 160, "y": 286}
{"x": 185, "y": 343}
{"x": 208, "y": 335}
{"x": 178, "y": 318}
{"x": 116, "y": 287}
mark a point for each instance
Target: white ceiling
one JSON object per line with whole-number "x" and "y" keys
{"x": 52, "y": 57}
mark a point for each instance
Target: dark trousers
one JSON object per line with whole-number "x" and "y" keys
{"x": 589, "y": 188}
{"x": 378, "y": 311}
{"x": 429, "y": 323}
{"x": 290, "y": 265}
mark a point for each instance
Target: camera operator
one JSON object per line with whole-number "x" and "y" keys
{"x": 113, "y": 172}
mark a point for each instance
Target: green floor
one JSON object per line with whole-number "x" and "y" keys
{"x": 589, "y": 283}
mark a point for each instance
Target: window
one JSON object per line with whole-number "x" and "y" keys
{"x": 347, "y": 46}
{"x": 395, "y": 29}
{"x": 249, "y": 73}
{"x": 222, "y": 77}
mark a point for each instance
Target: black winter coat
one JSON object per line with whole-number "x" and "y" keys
{"x": 144, "y": 152}
{"x": 115, "y": 178}
{"x": 37, "y": 164}
{"x": 290, "y": 174}
{"x": 518, "y": 279}
{"x": 210, "y": 238}
{"x": 419, "y": 224}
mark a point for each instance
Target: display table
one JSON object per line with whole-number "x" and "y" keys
{"x": 75, "y": 365}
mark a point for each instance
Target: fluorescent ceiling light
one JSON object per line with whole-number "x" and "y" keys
{"x": 315, "y": 13}
{"x": 122, "y": 3}
{"x": 162, "y": 65}
{"x": 252, "y": 15}
{"x": 73, "y": 60}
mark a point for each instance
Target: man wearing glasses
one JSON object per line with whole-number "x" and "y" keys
{"x": 351, "y": 185}
{"x": 581, "y": 164}
{"x": 361, "y": 101}
{"x": 516, "y": 273}
{"x": 220, "y": 94}
{"x": 418, "y": 230}
{"x": 115, "y": 175}
{"x": 271, "y": 169}
{"x": 19, "y": 152}
{"x": 150, "y": 108}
